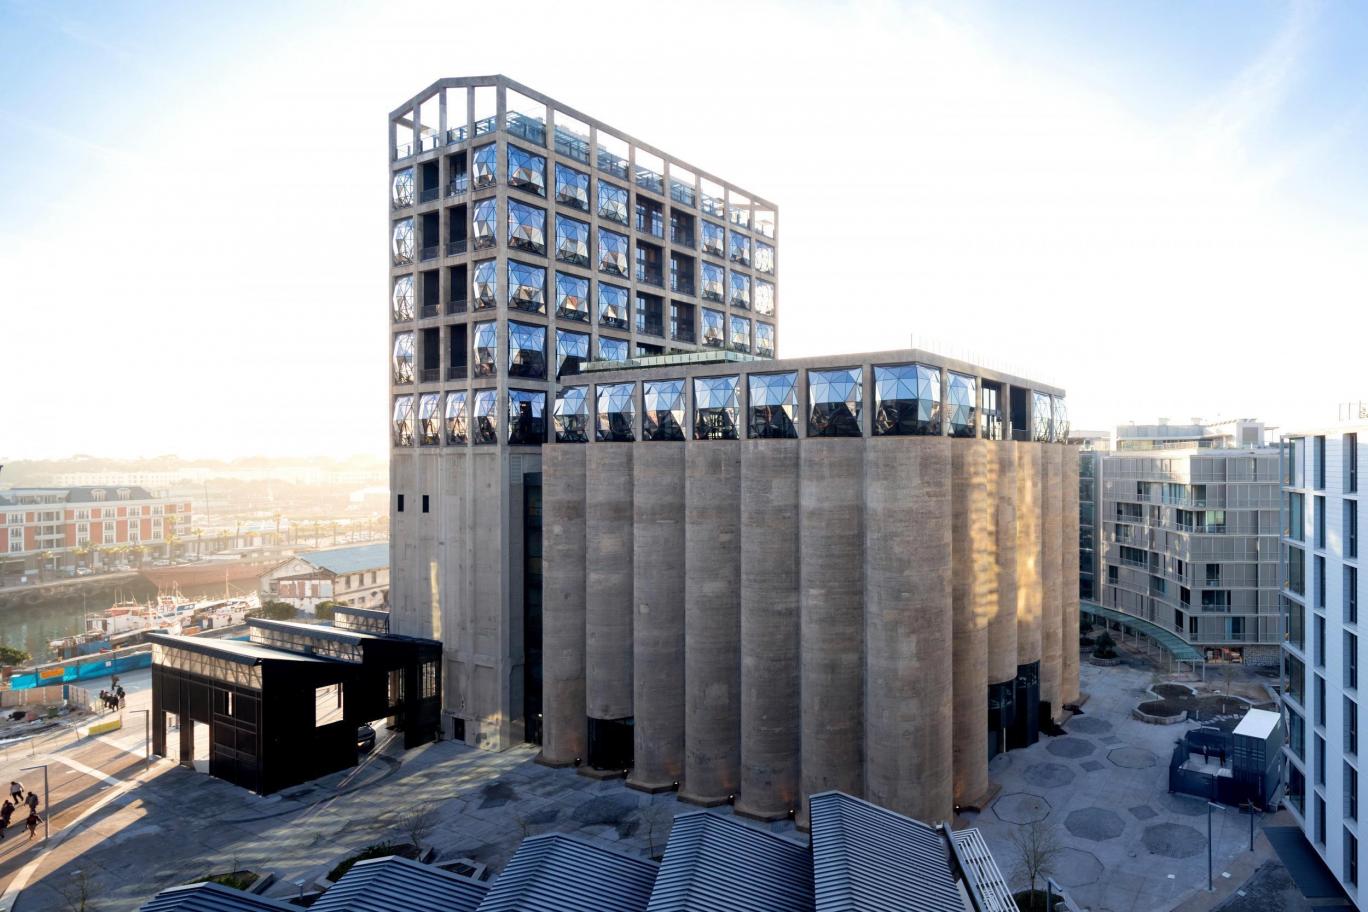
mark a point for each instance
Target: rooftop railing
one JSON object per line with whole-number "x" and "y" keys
{"x": 611, "y": 163}
{"x": 456, "y": 135}
{"x": 682, "y": 193}
{"x": 647, "y": 178}
{"x": 486, "y": 126}
{"x": 529, "y": 128}
{"x": 572, "y": 145}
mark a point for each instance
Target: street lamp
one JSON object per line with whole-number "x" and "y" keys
{"x": 1211, "y": 804}
{"x": 46, "y": 812}
{"x": 147, "y": 734}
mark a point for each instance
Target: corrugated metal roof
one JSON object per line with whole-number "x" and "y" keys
{"x": 557, "y": 873}
{"x": 389, "y": 884}
{"x": 870, "y": 859}
{"x": 211, "y": 897}
{"x": 715, "y": 862}
{"x": 239, "y": 651}
{"x": 981, "y": 869}
{"x": 349, "y": 560}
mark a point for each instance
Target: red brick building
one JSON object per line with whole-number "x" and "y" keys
{"x": 96, "y": 526}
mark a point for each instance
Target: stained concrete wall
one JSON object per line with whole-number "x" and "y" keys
{"x": 564, "y": 729}
{"x": 974, "y": 599}
{"x": 1069, "y": 576}
{"x": 1051, "y": 567}
{"x": 908, "y": 728}
{"x": 609, "y": 533}
{"x": 1029, "y": 593}
{"x": 1002, "y": 622}
{"x": 658, "y": 626}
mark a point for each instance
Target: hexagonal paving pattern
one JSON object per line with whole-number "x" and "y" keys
{"x": 1048, "y": 775}
{"x": 1075, "y": 867}
{"x": 1073, "y": 748}
{"x": 1173, "y": 840}
{"x": 1132, "y": 757}
{"x": 1143, "y": 812}
{"x": 1184, "y": 805}
{"x": 1092, "y": 766}
{"x": 1089, "y": 725}
{"x": 1095, "y": 823}
{"x": 1021, "y": 807}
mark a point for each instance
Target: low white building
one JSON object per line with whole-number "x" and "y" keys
{"x": 357, "y": 576}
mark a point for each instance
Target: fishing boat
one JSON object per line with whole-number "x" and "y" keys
{"x": 127, "y": 622}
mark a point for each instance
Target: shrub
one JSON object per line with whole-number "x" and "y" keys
{"x": 379, "y": 850}
{"x": 1105, "y": 647}
{"x": 275, "y": 611}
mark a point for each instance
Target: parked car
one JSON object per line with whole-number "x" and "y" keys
{"x": 365, "y": 739}
{"x": 83, "y": 571}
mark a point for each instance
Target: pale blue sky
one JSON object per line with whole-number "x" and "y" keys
{"x": 1145, "y": 203}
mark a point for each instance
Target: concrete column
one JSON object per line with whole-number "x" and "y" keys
{"x": 831, "y": 610}
{"x": 771, "y": 730}
{"x": 658, "y": 627}
{"x": 712, "y": 622}
{"x": 909, "y": 680}
{"x": 1002, "y": 624}
{"x": 974, "y": 596}
{"x": 564, "y": 733}
{"x": 608, "y": 549}
{"x": 1068, "y": 483}
{"x": 1051, "y": 576}
{"x": 1028, "y": 589}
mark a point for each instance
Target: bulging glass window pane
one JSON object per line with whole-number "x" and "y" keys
{"x": 740, "y": 290}
{"x": 835, "y": 399}
{"x": 740, "y": 334}
{"x": 572, "y": 188}
{"x": 612, "y": 202}
{"x": 484, "y": 285}
{"x": 1042, "y": 419}
{"x": 526, "y": 171}
{"x": 764, "y": 257}
{"x": 526, "y": 351}
{"x": 486, "y": 416}
{"x": 486, "y": 342}
{"x": 572, "y": 350}
{"x": 403, "y": 358}
{"x": 526, "y": 417}
{"x": 907, "y": 400}
{"x": 764, "y": 297}
{"x": 714, "y": 239}
{"x": 526, "y": 227}
{"x": 571, "y": 417}
{"x": 960, "y": 401}
{"x": 662, "y": 412}
{"x": 612, "y": 252}
{"x": 403, "y": 421}
{"x": 572, "y": 297}
{"x": 712, "y": 286}
{"x": 402, "y": 298}
{"x": 1061, "y": 419}
{"x": 716, "y": 404}
{"x": 738, "y": 248}
{"x": 401, "y": 188}
{"x": 610, "y": 349}
{"x": 526, "y": 287}
{"x": 401, "y": 244}
{"x": 764, "y": 340}
{"x": 616, "y": 412}
{"x": 429, "y": 419}
{"x": 714, "y": 332}
{"x": 457, "y": 429}
{"x": 773, "y": 404}
{"x": 484, "y": 224}
{"x": 612, "y": 305}
{"x": 484, "y": 164}
{"x": 572, "y": 241}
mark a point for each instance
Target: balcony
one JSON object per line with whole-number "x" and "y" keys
{"x": 455, "y": 248}
{"x": 430, "y": 375}
{"x": 430, "y": 194}
{"x": 457, "y": 371}
{"x": 456, "y": 306}
{"x": 681, "y": 285}
{"x": 428, "y": 253}
{"x": 682, "y": 334}
{"x": 403, "y": 150}
{"x": 650, "y": 276}
{"x": 430, "y": 310}
{"x": 486, "y": 126}
{"x": 459, "y": 186}
{"x": 456, "y": 135}
{"x": 429, "y": 142}
{"x": 650, "y": 326}
{"x": 681, "y": 238}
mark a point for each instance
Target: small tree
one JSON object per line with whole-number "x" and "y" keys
{"x": 275, "y": 611}
{"x": 420, "y": 822}
{"x": 78, "y": 894}
{"x": 12, "y": 655}
{"x": 1037, "y": 849}
{"x": 326, "y": 610}
{"x": 1105, "y": 647}
{"x": 659, "y": 821}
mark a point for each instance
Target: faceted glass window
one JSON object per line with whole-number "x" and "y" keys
{"x": 960, "y": 405}
{"x": 612, "y": 203}
{"x": 1061, "y": 418}
{"x": 429, "y": 419}
{"x": 484, "y": 285}
{"x": 484, "y": 224}
{"x": 740, "y": 290}
{"x": 457, "y": 424}
{"x": 484, "y": 163}
{"x": 835, "y": 399}
{"x": 662, "y": 411}
{"x": 572, "y": 188}
{"x": 486, "y": 416}
{"x": 526, "y": 227}
{"x": 572, "y": 350}
{"x": 572, "y": 297}
{"x": 403, "y": 421}
{"x": 571, "y": 415}
{"x": 714, "y": 333}
{"x": 612, "y": 304}
{"x": 526, "y": 287}
{"x": 1041, "y": 417}
{"x": 401, "y": 188}
{"x": 764, "y": 257}
{"x": 612, "y": 252}
{"x": 403, "y": 358}
{"x": 764, "y": 297}
{"x": 738, "y": 248}
{"x": 486, "y": 342}
{"x": 616, "y": 412}
{"x": 572, "y": 241}
{"x": 402, "y": 242}
{"x": 526, "y": 417}
{"x": 764, "y": 340}
{"x": 526, "y": 351}
{"x": 714, "y": 239}
{"x": 712, "y": 286}
{"x": 716, "y": 404}
{"x": 610, "y": 349}
{"x": 773, "y": 404}
{"x": 402, "y": 298}
{"x": 526, "y": 171}
{"x": 740, "y": 334}
{"x": 907, "y": 400}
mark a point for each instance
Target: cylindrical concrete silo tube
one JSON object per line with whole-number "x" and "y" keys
{"x": 608, "y": 581}
{"x": 564, "y": 730}
{"x": 974, "y": 550}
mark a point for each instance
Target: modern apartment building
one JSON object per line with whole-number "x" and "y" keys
{"x": 1324, "y": 650}
{"x": 1185, "y": 531}
{"x": 524, "y": 239}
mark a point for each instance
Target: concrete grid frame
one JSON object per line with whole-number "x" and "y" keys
{"x": 838, "y": 612}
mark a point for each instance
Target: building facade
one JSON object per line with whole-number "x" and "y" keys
{"x": 52, "y": 528}
{"x": 525, "y": 239}
{"x": 357, "y": 577}
{"x": 1186, "y": 537}
{"x": 1322, "y": 590}
{"x": 764, "y": 580}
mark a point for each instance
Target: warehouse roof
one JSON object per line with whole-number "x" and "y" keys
{"x": 349, "y": 560}
{"x": 384, "y": 884}
{"x": 211, "y": 897}
{"x": 716, "y": 862}
{"x": 556, "y": 873}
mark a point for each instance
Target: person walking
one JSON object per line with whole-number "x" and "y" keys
{"x": 16, "y": 792}
{"x": 123, "y": 697}
{"x": 32, "y": 802}
{"x": 32, "y": 823}
{"x": 6, "y": 813}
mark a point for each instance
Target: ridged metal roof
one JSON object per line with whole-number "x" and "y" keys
{"x": 387, "y": 884}
{"x": 714, "y": 862}
{"x": 868, "y": 859}
{"x": 211, "y": 897}
{"x": 556, "y": 873}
